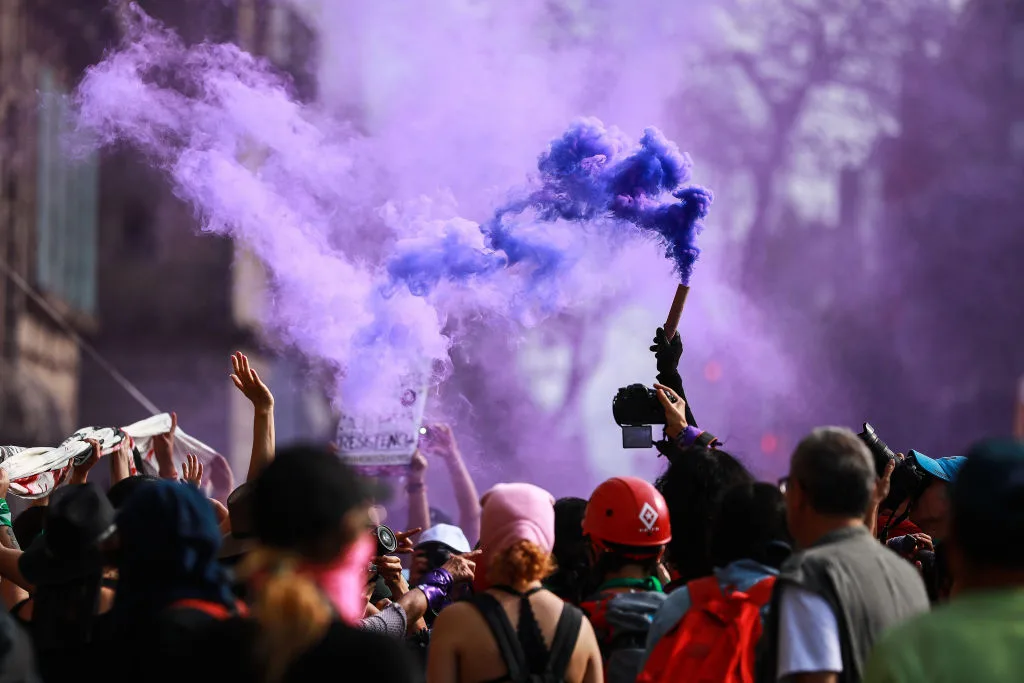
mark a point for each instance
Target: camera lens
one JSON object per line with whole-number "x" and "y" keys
{"x": 880, "y": 452}
{"x": 386, "y": 541}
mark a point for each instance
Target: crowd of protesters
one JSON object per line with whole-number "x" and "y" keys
{"x": 855, "y": 566}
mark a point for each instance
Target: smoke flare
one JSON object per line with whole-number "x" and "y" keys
{"x": 371, "y": 293}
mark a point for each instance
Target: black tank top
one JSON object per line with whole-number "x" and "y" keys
{"x": 526, "y": 656}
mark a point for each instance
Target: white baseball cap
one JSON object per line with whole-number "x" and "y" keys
{"x": 451, "y": 536}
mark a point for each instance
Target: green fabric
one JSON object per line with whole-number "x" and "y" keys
{"x": 651, "y": 583}
{"x": 5, "y": 513}
{"x": 976, "y": 637}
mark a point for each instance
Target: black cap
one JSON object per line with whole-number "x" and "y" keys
{"x": 78, "y": 519}
{"x": 302, "y": 497}
{"x": 988, "y": 504}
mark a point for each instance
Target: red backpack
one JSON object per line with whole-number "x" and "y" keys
{"x": 714, "y": 641}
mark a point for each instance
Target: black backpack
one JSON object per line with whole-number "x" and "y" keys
{"x": 559, "y": 654}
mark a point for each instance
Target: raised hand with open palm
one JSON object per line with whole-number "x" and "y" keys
{"x": 249, "y": 383}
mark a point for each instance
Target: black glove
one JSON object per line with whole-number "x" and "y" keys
{"x": 667, "y": 352}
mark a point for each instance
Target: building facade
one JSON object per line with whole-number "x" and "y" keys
{"x": 175, "y": 303}
{"x": 49, "y": 216}
{"x": 101, "y": 249}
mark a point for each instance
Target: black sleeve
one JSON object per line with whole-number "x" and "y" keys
{"x": 674, "y": 381}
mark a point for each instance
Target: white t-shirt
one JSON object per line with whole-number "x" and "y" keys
{"x": 808, "y": 634}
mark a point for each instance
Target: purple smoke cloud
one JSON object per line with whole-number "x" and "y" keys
{"x": 590, "y": 174}
{"x": 371, "y": 291}
{"x": 593, "y": 173}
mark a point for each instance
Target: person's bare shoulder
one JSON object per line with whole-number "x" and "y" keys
{"x": 588, "y": 638}
{"x": 460, "y": 617}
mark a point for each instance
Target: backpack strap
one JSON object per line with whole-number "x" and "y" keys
{"x": 564, "y": 643}
{"x": 512, "y": 591}
{"x": 761, "y": 592}
{"x": 702, "y": 591}
{"x": 501, "y": 628}
{"x": 213, "y": 609}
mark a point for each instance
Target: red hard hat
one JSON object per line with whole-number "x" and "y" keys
{"x": 627, "y": 511}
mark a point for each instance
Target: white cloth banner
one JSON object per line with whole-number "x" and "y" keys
{"x": 36, "y": 472}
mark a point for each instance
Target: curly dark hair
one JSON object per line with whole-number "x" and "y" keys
{"x": 572, "y": 581}
{"x": 692, "y": 486}
{"x": 751, "y": 524}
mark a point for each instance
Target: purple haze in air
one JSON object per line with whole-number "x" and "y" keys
{"x": 294, "y": 185}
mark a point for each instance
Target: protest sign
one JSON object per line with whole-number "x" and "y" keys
{"x": 383, "y": 443}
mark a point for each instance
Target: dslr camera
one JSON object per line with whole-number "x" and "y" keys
{"x": 933, "y": 563}
{"x": 908, "y": 480}
{"x": 635, "y": 408}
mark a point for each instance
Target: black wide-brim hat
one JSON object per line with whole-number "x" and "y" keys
{"x": 241, "y": 539}
{"x": 41, "y": 567}
{"x": 78, "y": 520}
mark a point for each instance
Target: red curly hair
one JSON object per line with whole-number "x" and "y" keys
{"x": 522, "y": 562}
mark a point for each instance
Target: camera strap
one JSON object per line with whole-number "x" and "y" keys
{"x": 883, "y": 535}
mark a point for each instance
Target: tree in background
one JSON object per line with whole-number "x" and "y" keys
{"x": 953, "y": 206}
{"x": 783, "y": 94}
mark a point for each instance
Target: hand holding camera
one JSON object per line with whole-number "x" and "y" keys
{"x": 675, "y": 410}
{"x": 635, "y": 408}
{"x": 880, "y": 494}
{"x": 389, "y": 568}
{"x": 919, "y": 550}
{"x": 909, "y": 545}
{"x": 387, "y": 543}
{"x": 906, "y": 480}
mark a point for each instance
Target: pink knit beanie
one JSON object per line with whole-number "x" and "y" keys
{"x": 511, "y": 513}
{"x": 516, "y": 512}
